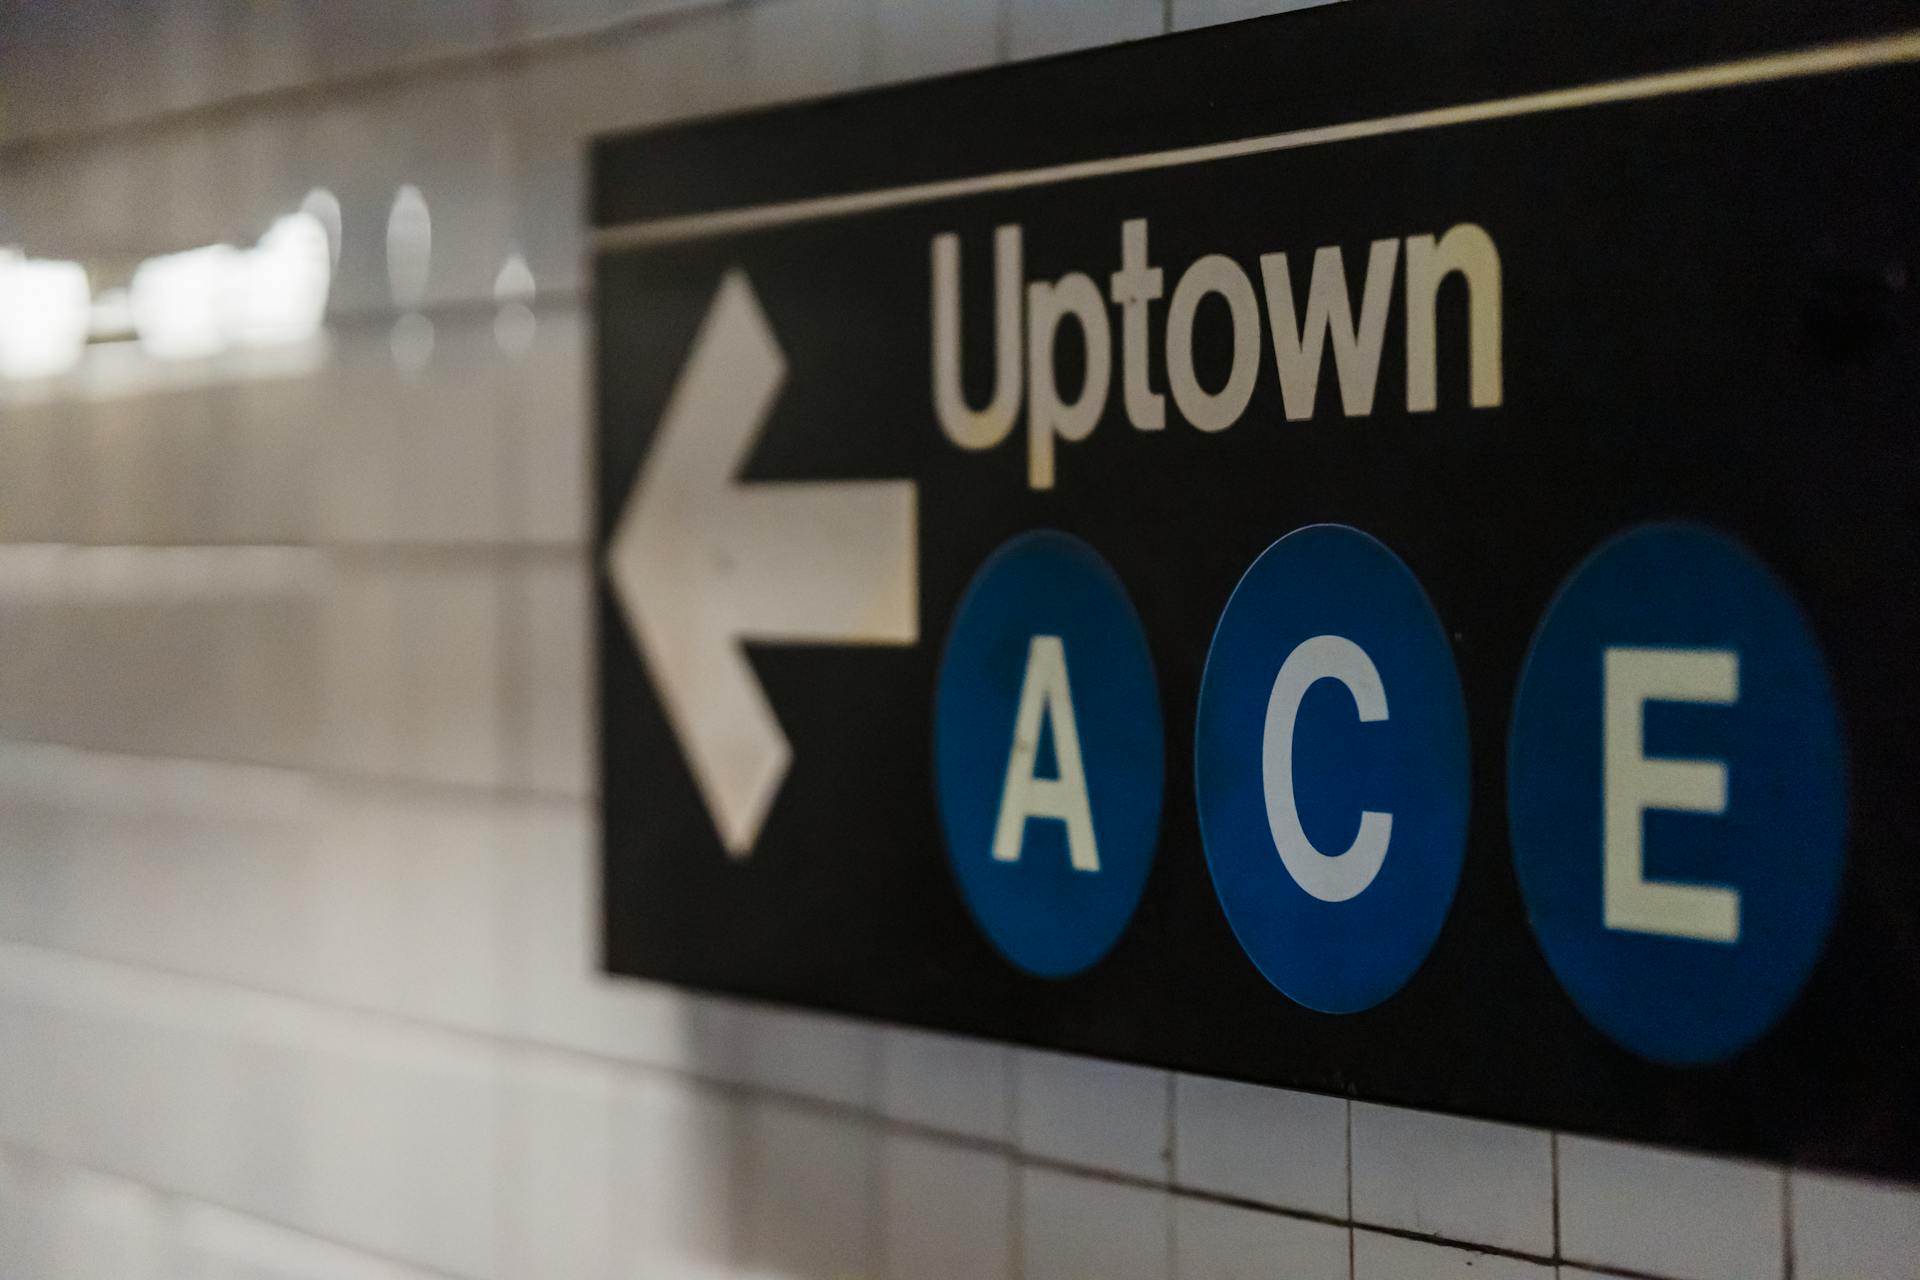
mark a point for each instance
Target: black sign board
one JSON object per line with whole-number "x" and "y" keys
{"x": 1375, "y": 550}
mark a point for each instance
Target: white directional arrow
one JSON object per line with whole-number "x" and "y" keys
{"x": 701, "y": 563}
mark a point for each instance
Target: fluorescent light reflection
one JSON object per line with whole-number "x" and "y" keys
{"x": 45, "y": 313}
{"x": 409, "y": 247}
{"x": 325, "y": 206}
{"x": 284, "y": 282}
{"x": 513, "y": 323}
{"x": 215, "y": 313}
{"x": 202, "y": 302}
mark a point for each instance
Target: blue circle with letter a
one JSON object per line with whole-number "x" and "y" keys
{"x": 1676, "y": 789}
{"x": 1049, "y": 756}
{"x": 1331, "y": 768}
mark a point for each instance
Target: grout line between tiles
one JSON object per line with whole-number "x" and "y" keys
{"x": 1011, "y": 1073}
{"x": 1787, "y": 1267}
{"x": 1349, "y": 1111}
{"x": 1553, "y": 1151}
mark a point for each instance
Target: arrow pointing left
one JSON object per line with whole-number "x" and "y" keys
{"x": 701, "y": 564}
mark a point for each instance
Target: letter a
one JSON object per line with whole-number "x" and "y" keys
{"x": 1044, "y": 693}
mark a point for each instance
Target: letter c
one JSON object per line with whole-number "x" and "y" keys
{"x": 1328, "y": 877}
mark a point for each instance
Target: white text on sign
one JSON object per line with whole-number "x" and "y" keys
{"x": 1635, "y": 782}
{"x": 1299, "y": 342}
{"x": 1046, "y": 695}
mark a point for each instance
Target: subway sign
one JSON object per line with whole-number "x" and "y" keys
{"x": 1375, "y": 550}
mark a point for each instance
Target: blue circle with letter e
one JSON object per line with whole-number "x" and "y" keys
{"x": 1676, "y": 789}
{"x": 1049, "y": 756}
{"x": 1331, "y": 769}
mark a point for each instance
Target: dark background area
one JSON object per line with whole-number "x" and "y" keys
{"x": 1708, "y": 314}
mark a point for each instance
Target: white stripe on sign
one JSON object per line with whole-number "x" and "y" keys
{"x": 1820, "y": 61}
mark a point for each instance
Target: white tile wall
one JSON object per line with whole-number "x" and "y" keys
{"x": 675, "y": 1180}
{"x": 212, "y": 1243}
{"x": 1042, "y": 27}
{"x": 445, "y": 135}
{"x": 103, "y": 1226}
{"x": 811, "y": 1055}
{"x": 574, "y": 17}
{"x": 807, "y": 1184}
{"x": 795, "y": 49}
{"x": 945, "y": 1082}
{"x": 1470, "y": 1180}
{"x": 548, "y": 661}
{"x": 1074, "y": 1227}
{"x": 1274, "y": 1146}
{"x": 18, "y": 1230}
{"x": 946, "y": 1210}
{"x": 298, "y": 946}
{"x": 372, "y": 1132}
{"x": 1847, "y": 1229}
{"x": 1188, "y": 14}
{"x": 1215, "y": 1241}
{"x": 1686, "y": 1216}
{"x": 350, "y": 37}
{"x": 556, "y": 1203}
{"x": 1097, "y": 1115}
{"x": 912, "y": 39}
{"x": 546, "y": 431}
{"x": 684, "y": 67}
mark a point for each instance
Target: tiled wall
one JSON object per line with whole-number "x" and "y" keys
{"x": 296, "y": 872}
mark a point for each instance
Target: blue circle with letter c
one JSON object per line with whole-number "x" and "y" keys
{"x": 1049, "y": 755}
{"x": 1331, "y": 768}
{"x": 1676, "y": 791}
